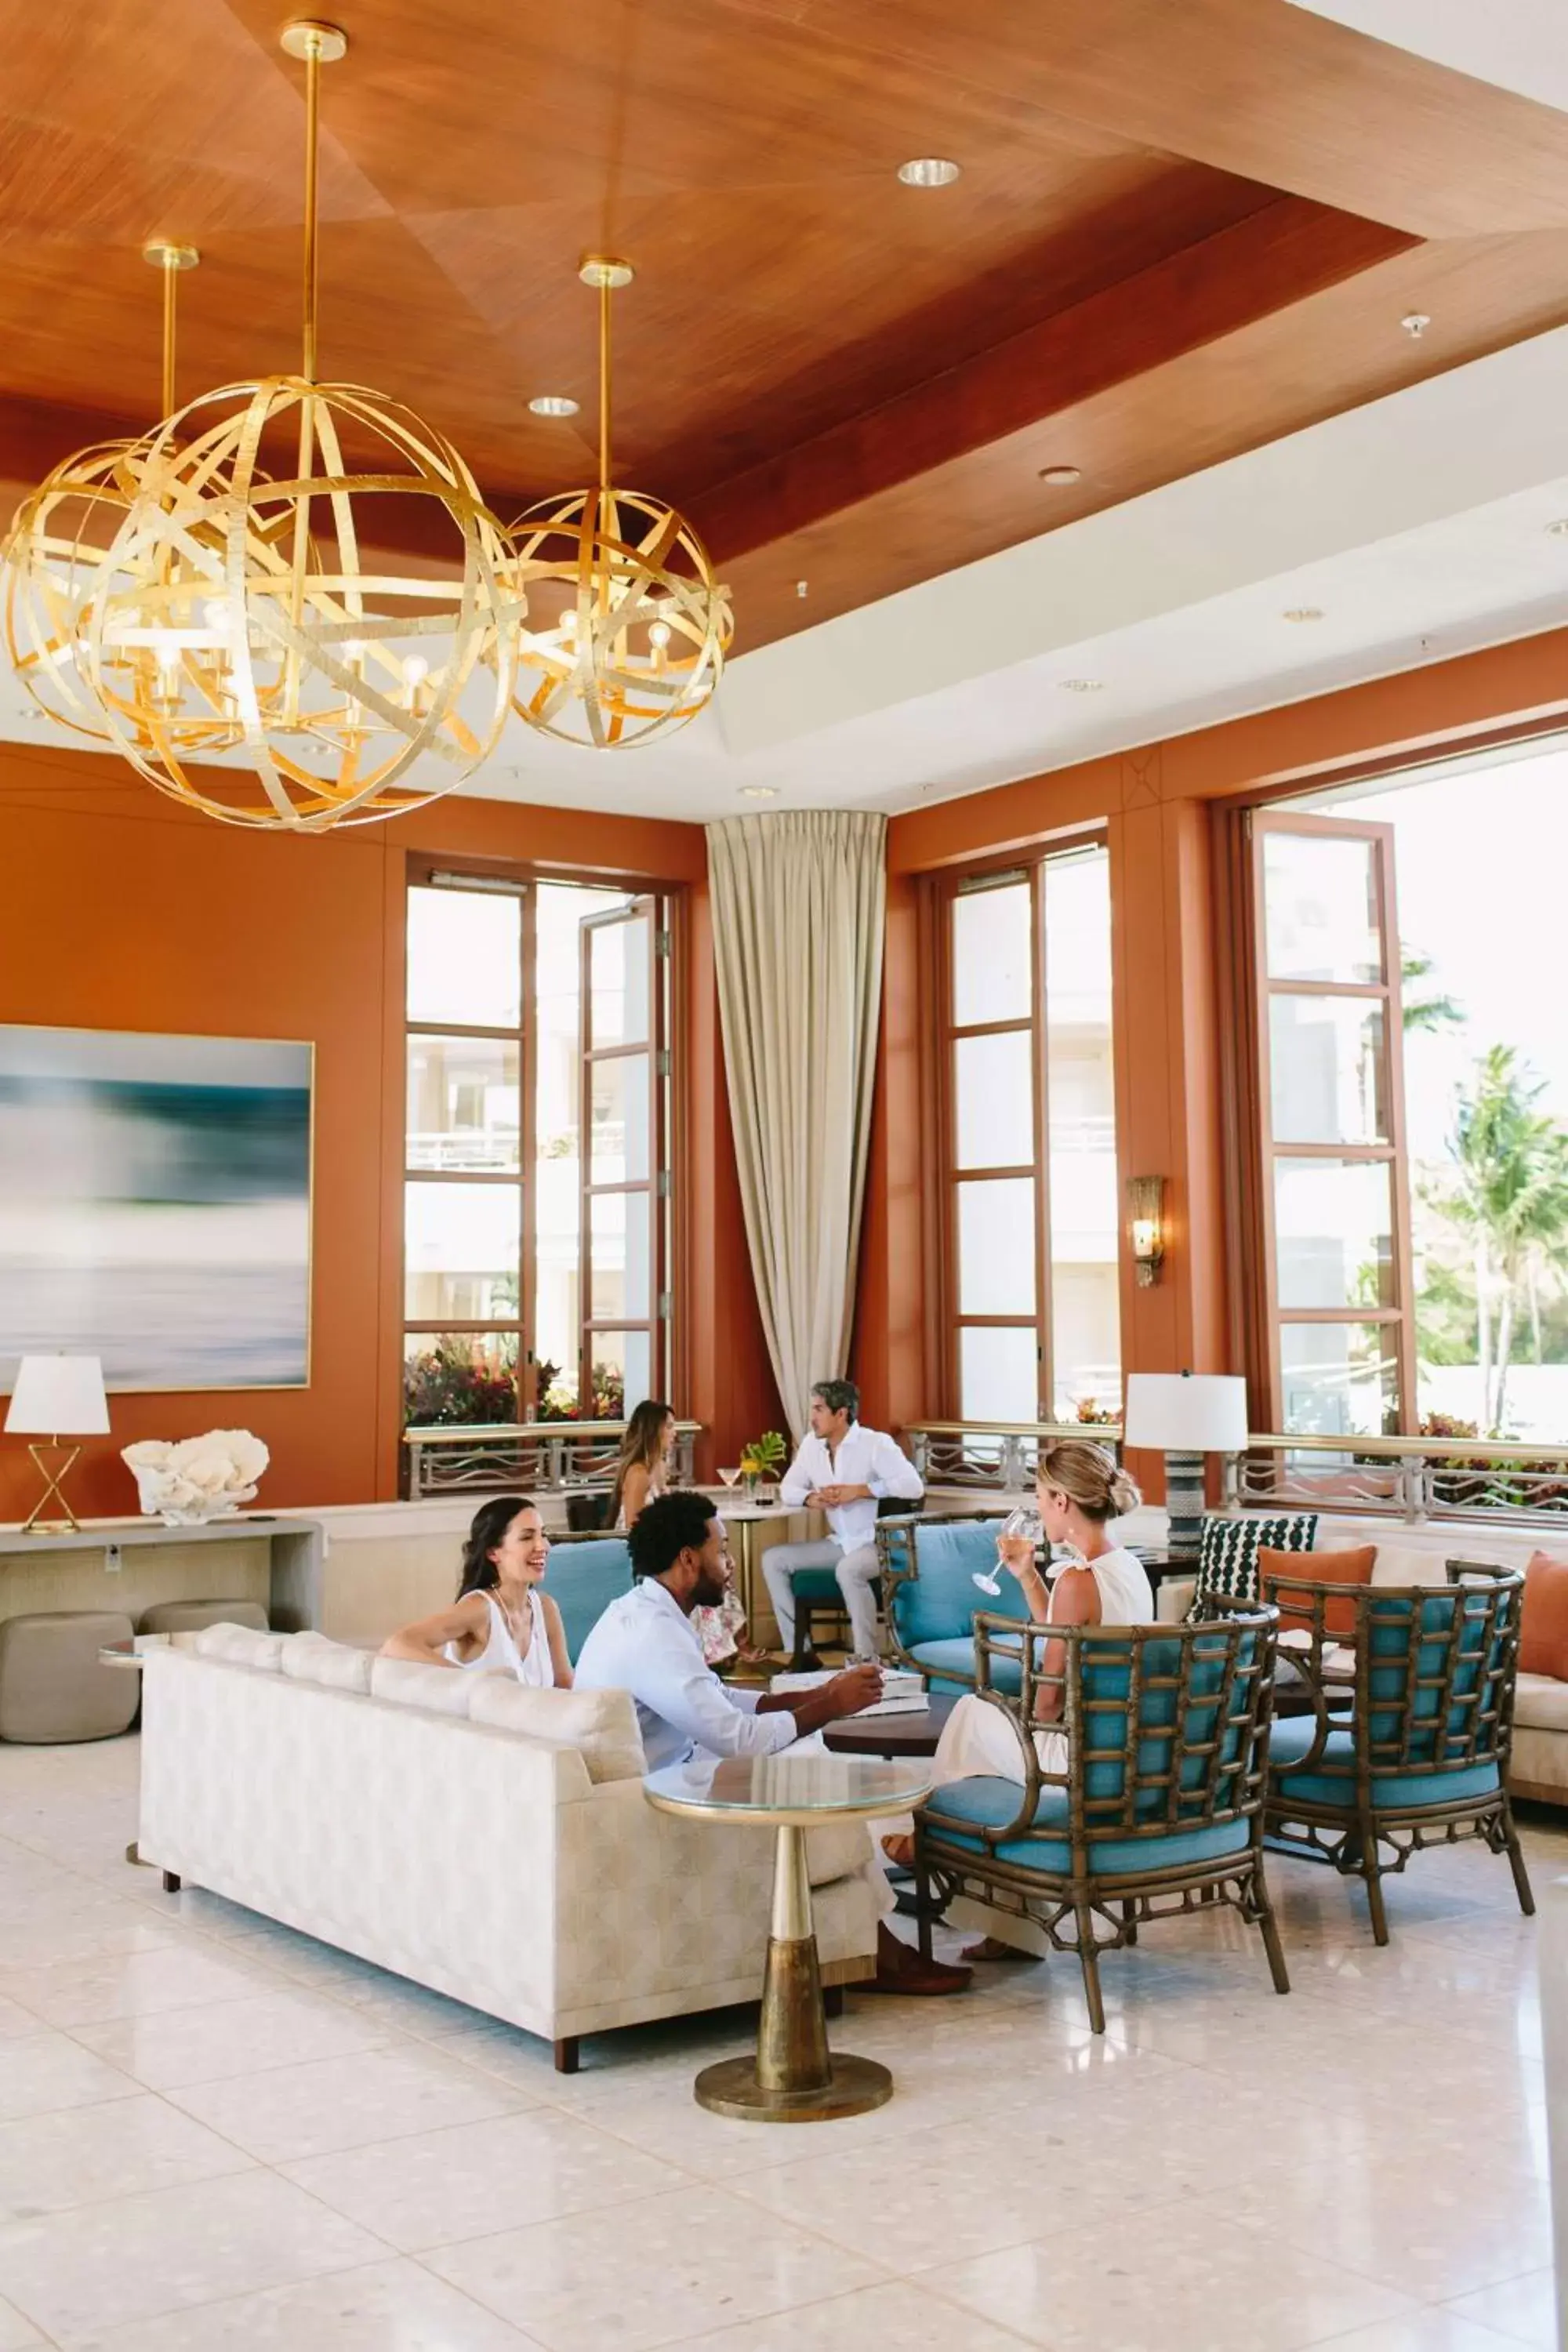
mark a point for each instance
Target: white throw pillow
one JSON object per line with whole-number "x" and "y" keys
{"x": 241, "y": 1645}
{"x": 601, "y": 1725}
{"x": 441, "y": 1690}
{"x": 311, "y": 1658}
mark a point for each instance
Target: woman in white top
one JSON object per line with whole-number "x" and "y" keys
{"x": 1080, "y": 1489}
{"x": 500, "y": 1623}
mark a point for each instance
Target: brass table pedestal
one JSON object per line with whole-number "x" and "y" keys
{"x": 795, "y": 2078}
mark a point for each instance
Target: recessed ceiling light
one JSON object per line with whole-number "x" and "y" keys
{"x": 760, "y": 791}
{"x": 800, "y": 586}
{"x": 553, "y": 404}
{"x": 1559, "y": 530}
{"x": 1415, "y": 323}
{"x": 929, "y": 172}
{"x": 1303, "y": 612}
{"x": 1061, "y": 477}
{"x": 1083, "y": 686}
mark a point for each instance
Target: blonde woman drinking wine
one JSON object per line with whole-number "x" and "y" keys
{"x": 1080, "y": 1489}
{"x": 642, "y": 1474}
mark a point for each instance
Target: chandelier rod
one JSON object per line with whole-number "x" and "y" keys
{"x": 606, "y": 291}
{"x": 312, "y": 208}
{"x": 164, "y": 255}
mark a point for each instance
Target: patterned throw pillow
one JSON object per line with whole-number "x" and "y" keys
{"x": 1228, "y": 1550}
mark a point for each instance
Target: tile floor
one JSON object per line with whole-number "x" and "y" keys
{"x": 216, "y": 2133}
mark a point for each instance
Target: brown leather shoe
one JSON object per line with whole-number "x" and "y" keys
{"x": 900, "y": 1968}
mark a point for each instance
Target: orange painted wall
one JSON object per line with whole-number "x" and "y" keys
{"x": 1152, "y": 804}
{"x": 118, "y": 909}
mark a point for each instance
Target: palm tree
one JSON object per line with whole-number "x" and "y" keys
{"x": 1424, "y": 1014}
{"x": 1512, "y": 1193}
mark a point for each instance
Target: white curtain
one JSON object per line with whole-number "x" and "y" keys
{"x": 798, "y": 906}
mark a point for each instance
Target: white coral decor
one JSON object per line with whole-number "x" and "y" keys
{"x": 200, "y": 1478}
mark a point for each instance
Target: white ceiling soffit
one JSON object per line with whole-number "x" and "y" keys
{"x": 1519, "y": 45}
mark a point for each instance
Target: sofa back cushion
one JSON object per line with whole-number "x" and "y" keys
{"x": 1544, "y": 1629}
{"x": 601, "y": 1725}
{"x": 582, "y": 1579}
{"x": 311, "y": 1658}
{"x": 440, "y": 1690}
{"x": 239, "y": 1645}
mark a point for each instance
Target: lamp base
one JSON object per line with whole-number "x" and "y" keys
{"x": 1185, "y": 1501}
{"x": 35, "y": 1523}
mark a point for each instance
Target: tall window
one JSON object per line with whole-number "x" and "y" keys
{"x": 1028, "y": 1119}
{"x": 536, "y": 1194}
{"x": 1333, "y": 1199}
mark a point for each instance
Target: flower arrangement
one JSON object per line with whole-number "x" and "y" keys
{"x": 764, "y": 1458}
{"x": 200, "y": 1478}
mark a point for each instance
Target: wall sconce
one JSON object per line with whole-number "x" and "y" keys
{"x": 1145, "y": 1197}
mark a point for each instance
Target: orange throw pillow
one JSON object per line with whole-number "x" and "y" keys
{"x": 1353, "y": 1566}
{"x": 1543, "y": 1627}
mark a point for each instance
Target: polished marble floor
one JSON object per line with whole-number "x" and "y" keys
{"x": 216, "y": 2133}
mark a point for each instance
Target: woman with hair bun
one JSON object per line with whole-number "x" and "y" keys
{"x": 1080, "y": 1488}
{"x": 500, "y": 1622}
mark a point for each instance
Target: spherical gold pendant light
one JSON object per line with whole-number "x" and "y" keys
{"x": 630, "y": 627}
{"x": 59, "y": 537}
{"x": 237, "y": 600}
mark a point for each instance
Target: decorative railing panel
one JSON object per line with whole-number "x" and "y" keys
{"x": 998, "y": 1459}
{"x": 1409, "y": 1478}
{"x": 533, "y": 1454}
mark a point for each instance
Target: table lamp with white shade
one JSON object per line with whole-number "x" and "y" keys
{"x": 56, "y": 1397}
{"x": 1186, "y": 1416}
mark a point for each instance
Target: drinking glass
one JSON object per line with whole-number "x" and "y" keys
{"x": 1024, "y": 1521}
{"x": 731, "y": 1477}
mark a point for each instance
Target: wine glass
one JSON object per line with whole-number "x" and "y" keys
{"x": 1024, "y": 1521}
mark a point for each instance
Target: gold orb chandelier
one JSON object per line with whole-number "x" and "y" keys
{"x": 223, "y": 620}
{"x": 59, "y": 536}
{"x": 630, "y": 627}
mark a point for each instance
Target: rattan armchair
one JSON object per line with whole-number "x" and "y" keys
{"x": 1158, "y": 1807}
{"x": 1422, "y": 1756}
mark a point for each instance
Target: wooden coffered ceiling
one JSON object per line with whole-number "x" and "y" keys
{"x": 1184, "y": 227}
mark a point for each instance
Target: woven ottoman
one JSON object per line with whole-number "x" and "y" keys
{"x": 53, "y": 1686}
{"x": 191, "y": 1616}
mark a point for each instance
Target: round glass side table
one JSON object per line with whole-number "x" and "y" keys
{"x": 794, "y": 2077}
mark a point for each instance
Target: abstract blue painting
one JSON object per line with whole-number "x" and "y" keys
{"x": 155, "y": 1206}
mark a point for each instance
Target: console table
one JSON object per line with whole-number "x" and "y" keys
{"x": 132, "y": 1563}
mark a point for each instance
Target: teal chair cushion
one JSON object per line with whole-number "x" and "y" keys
{"x": 991, "y": 1804}
{"x": 816, "y": 1584}
{"x": 1291, "y": 1738}
{"x": 950, "y": 1666}
{"x": 939, "y": 1604}
{"x": 582, "y": 1579}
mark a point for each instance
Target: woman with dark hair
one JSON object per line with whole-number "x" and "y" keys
{"x": 500, "y": 1622}
{"x": 642, "y": 1475}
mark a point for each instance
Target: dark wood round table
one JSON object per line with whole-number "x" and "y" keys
{"x": 911, "y": 1734}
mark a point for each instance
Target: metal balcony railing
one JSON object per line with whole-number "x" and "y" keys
{"x": 486, "y": 1459}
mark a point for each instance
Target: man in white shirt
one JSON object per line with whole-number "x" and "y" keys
{"x": 845, "y": 1469}
{"x": 644, "y": 1643}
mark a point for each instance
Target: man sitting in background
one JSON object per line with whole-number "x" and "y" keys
{"x": 644, "y": 1643}
{"x": 845, "y": 1469}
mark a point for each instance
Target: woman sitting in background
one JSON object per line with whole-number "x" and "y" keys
{"x": 642, "y": 1474}
{"x": 500, "y": 1622}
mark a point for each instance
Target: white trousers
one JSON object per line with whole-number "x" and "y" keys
{"x": 857, "y": 1573}
{"x": 979, "y": 1742}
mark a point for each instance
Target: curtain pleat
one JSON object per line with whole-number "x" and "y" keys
{"x": 798, "y": 909}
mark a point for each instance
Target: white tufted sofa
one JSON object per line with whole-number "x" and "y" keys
{"x": 490, "y": 1842}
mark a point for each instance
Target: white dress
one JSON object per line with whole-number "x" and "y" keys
{"x": 500, "y": 1655}
{"x": 980, "y": 1742}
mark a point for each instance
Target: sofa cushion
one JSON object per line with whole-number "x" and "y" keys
{"x": 995, "y": 1803}
{"x": 1228, "y": 1549}
{"x": 601, "y": 1725}
{"x": 1544, "y": 1628}
{"x": 311, "y": 1658}
{"x": 1349, "y": 1564}
{"x": 1332, "y": 1782}
{"x": 951, "y": 1666}
{"x": 440, "y": 1690}
{"x": 582, "y": 1579}
{"x": 1541, "y": 1704}
{"x": 238, "y": 1645}
{"x": 939, "y": 1603}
